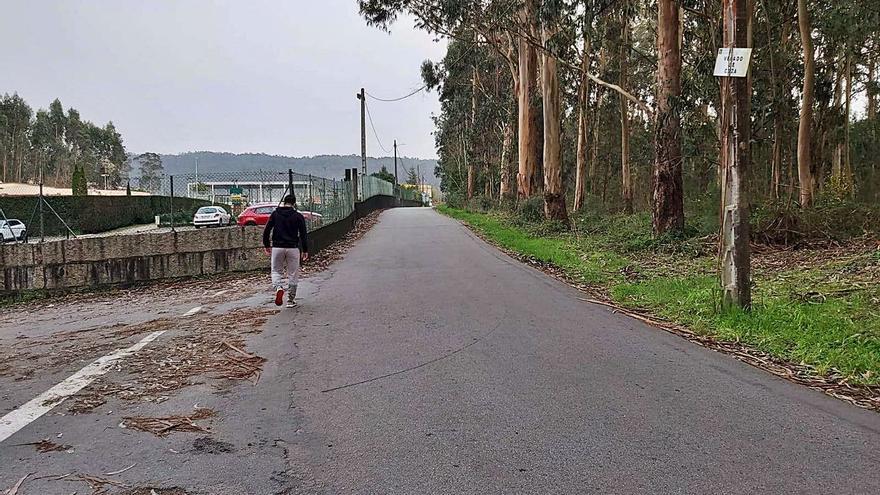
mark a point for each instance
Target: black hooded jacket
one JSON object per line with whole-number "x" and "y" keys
{"x": 287, "y": 228}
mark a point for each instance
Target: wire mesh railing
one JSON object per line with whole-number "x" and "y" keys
{"x": 249, "y": 195}
{"x": 169, "y": 202}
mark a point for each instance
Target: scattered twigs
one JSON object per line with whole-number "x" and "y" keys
{"x": 162, "y": 426}
{"x": 45, "y": 445}
{"x": 15, "y": 487}
{"x": 114, "y": 473}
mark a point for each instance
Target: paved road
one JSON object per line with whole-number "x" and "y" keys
{"x": 428, "y": 362}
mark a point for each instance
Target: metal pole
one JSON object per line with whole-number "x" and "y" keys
{"x": 363, "y": 99}
{"x": 171, "y": 202}
{"x": 42, "y": 224}
{"x": 311, "y": 195}
{"x": 289, "y": 182}
{"x": 396, "y": 181}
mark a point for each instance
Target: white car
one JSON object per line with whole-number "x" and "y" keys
{"x": 211, "y": 216}
{"x": 12, "y": 230}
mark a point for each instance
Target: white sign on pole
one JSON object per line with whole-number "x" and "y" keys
{"x": 732, "y": 62}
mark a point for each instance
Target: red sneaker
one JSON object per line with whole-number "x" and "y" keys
{"x": 279, "y": 297}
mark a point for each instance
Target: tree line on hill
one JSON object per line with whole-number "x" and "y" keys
{"x": 57, "y": 143}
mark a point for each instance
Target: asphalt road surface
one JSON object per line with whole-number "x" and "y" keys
{"x": 423, "y": 362}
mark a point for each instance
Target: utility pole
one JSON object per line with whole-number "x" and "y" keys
{"x": 396, "y": 182}
{"x": 363, "y": 99}
{"x": 734, "y": 254}
{"x": 419, "y": 180}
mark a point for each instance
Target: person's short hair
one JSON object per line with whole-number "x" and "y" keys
{"x": 290, "y": 199}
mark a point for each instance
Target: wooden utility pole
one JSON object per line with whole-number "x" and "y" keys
{"x": 396, "y": 181}
{"x": 734, "y": 253}
{"x": 363, "y": 99}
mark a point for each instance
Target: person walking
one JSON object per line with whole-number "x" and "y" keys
{"x": 287, "y": 243}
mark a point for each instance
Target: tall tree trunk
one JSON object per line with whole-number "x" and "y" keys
{"x": 872, "y": 72}
{"x": 734, "y": 254}
{"x": 581, "y": 173}
{"x": 472, "y": 167}
{"x": 777, "y": 87}
{"x": 668, "y": 197}
{"x": 507, "y": 190}
{"x": 846, "y": 158}
{"x": 594, "y": 130}
{"x": 837, "y": 149}
{"x": 528, "y": 135}
{"x": 625, "y": 173}
{"x": 805, "y": 172}
{"x": 554, "y": 190}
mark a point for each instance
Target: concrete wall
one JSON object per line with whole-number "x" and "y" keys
{"x": 126, "y": 259}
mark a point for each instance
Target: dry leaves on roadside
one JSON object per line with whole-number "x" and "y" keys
{"x": 45, "y": 445}
{"x": 161, "y": 426}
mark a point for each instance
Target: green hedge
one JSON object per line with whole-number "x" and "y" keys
{"x": 93, "y": 214}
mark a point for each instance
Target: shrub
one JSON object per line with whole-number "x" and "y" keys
{"x": 94, "y": 214}
{"x": 831, "y": 219}
{"x": 530, "y": 210}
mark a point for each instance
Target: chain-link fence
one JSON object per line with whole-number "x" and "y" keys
{"x": 171, "y": 202}
{"x": 249, "y": 196}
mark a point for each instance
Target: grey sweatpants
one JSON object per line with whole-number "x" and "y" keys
{"x": 285, "y": 258}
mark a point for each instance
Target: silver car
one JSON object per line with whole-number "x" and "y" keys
{"x": 12, "y": 230}
{"x": 211, "y": 216}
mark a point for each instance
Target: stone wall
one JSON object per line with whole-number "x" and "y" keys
{"x": 124, "y": 259}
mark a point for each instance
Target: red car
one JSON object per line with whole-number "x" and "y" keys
{"x": 259, "y": 215}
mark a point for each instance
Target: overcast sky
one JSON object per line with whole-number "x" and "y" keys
{"x": 277, "y": 77}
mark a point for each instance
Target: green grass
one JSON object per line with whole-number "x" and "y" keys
{"x": 837, "y": 333}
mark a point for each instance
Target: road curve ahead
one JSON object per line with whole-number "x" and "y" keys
{"x": 429, "y": 362}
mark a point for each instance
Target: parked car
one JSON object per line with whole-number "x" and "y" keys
{"x": 259, "y": 215}
{"x": 13, "y": 230}
{"x": 207, "y": 216}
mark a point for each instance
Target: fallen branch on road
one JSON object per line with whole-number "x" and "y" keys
{"x": 162, "y": 426}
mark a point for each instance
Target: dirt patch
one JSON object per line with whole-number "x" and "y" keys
{"x": 207, "y": 445}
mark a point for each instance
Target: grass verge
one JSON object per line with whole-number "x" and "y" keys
{"x": 836, "y": 334}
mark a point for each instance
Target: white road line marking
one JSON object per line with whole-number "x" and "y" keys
{"x": 193, "y": 311}
{"x": 45, "y": 402}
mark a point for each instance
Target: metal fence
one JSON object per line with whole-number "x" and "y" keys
{"x": 168, "y": 202}
{"x": 326, "y": 200}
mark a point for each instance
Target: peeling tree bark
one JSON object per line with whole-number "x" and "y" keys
{"x": 507, "y": 190}
{"x": 472, "y": 167}
{"x": 554, "y": 190}
{"x": 625, "y": 173}
{"x": 668, "y": 195}
{"x": 846, "y": 152}
{"x": 805, "y": 171}
{"x": 581, "y": 177}
{"x": 528, "y": 135}
{"x": 734, "y": 253}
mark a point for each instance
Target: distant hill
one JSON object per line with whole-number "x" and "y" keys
{"x": 329, "y": 166}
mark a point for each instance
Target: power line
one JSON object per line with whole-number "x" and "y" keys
{"x": 373, "y": 126}
{"x": 400, "y": 98}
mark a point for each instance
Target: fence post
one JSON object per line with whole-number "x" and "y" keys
{"x": 42, "y": 225}
{"x": 289, "y": 182}
{"x": 311, "y": 196}
{"x": 171, "y": 203}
